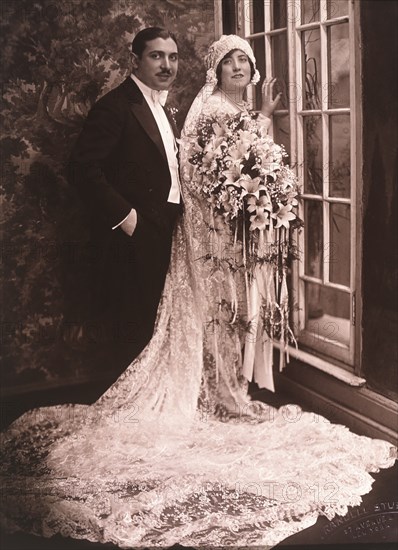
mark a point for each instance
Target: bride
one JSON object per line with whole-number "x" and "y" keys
{"x": 175, "y": 451}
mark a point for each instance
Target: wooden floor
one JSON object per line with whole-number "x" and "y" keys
{"x": 371, "y": 526}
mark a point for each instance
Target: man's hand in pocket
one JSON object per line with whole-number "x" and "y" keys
{"x": 129, "y": 224}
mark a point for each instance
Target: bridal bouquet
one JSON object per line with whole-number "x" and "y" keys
{"x": 251, "y": 193}
{"x": 243, "y": 174}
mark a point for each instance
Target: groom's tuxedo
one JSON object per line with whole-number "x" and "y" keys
{"x": 119, "y": 163}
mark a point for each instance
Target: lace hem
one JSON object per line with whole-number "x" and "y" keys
{"x": 215, "y": 484}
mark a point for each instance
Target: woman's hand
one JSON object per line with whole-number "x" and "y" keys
{"x": 269, "y": 105}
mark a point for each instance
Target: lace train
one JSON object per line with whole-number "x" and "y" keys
{"x": 208, "y": 484}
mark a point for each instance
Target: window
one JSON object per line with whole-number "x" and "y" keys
{"x": 309, "y": 46}
{"x": 324, "y": 136}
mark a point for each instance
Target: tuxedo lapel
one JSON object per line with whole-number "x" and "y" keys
{"x": 143, "y": 113}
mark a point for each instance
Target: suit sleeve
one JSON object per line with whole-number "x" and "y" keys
{"x": 97, "y": 141}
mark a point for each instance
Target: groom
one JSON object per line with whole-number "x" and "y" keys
{"x": 125, "y": 168}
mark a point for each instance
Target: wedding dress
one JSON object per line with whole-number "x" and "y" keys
{"x": 174, "y": 451}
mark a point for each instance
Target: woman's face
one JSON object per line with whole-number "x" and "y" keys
{"x": 235, "y": 71}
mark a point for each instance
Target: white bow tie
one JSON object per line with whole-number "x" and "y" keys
{"x": 159, "y": 96}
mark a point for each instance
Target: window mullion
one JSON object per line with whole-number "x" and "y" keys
{"x": 323, "y": 10}
{"x": 297, "y": 146}
{"x": 218, "y": 18}
{"x": 293, "y": 95}
{"x": 244, "y": 10}
{"x": 356, "y": 182}
{"x": 267, "y": 43}
{"x": 325, "y": 143}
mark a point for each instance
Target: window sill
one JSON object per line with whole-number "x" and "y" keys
{"x": 333, "y": 370}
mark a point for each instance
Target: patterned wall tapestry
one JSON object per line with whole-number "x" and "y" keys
{"x": 57, "y": 59}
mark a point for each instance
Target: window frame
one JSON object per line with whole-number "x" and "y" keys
{"x": 345, "y": 365}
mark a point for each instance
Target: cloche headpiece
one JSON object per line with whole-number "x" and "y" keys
{"x": 219, "y": 49}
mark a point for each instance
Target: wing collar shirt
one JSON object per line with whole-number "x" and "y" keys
{"x": 155, "y": 100}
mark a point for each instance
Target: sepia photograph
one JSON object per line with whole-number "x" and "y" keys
{"x": 198, "y": 280}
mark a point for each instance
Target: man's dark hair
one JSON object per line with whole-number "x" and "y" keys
{"x": 219, "y": 66}
{"x": 139, "y": 43}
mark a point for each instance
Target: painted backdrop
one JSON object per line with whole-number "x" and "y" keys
{"x": 57, "y": 59}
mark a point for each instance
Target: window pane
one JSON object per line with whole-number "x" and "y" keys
{"x": 258, "y": 46}
{"x": 279, "y": 18}
{"x": 256, "y": 15}
{"x": 337, "y": 8}
{"x": 311, "y": 52}
{"x": 338, "y": 251}
{"x": 309, "y": 11}
{"x": 339, "y": 145}
{"x": 280, "y": 68}
{"x": 313, "y": 219}
{"x": 328, "y": 314}
{"x": 313, "y": 175}
{"x": 339, "y": 68}
{"x": 282, "y": 132}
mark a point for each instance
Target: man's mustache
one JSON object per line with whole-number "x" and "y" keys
{"x": 164, "y": 73}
